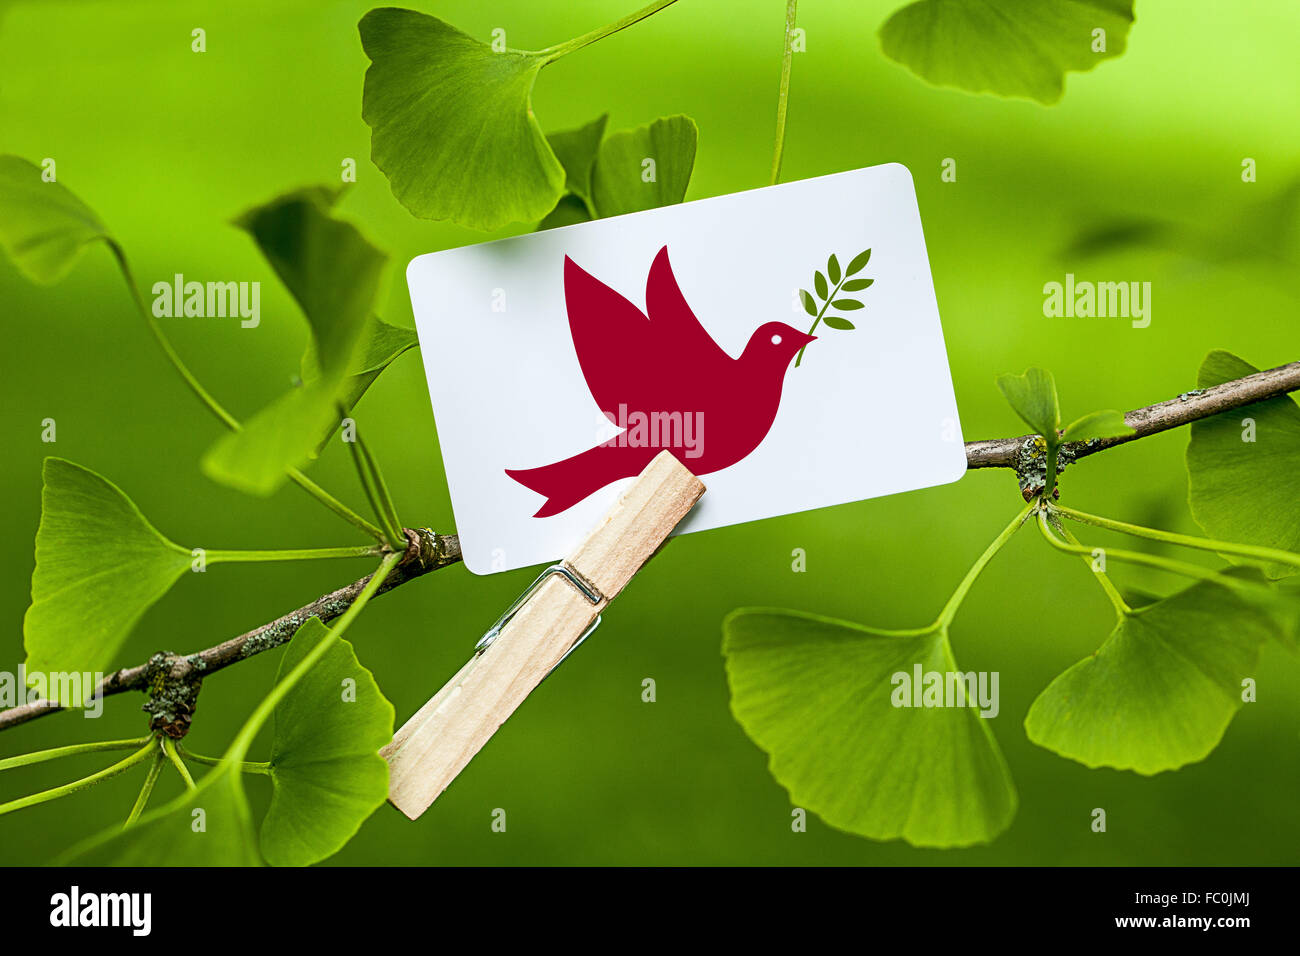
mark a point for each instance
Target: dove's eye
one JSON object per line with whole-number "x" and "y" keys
{"x": 776, "y": 340}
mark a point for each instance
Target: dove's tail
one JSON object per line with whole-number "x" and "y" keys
{"x": 567, "y": 482}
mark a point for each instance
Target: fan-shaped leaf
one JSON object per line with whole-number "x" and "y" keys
{"x": 99, "y": 566}
{"x": 818, "y": 696}
{"x": 1243, "y": 467}
{"x": 644, "y": 168}
{"x": 333, "y": 273}
{"x": 1162, "y": 689}
{"x": 1107, "y": 423}
{"x": 1033, "y": 396}
{"x": 1007, "y": 47}
{"x": 576, "y": 150}
{"x": 43, "y": 226}
{"x": 208, "y": 826}
{"x": 452, "y": 123}
{"x": 325, "y": 761}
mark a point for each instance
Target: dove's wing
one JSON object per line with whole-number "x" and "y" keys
{"x": 612, "y": 337}
{"x": 673, "y": 320}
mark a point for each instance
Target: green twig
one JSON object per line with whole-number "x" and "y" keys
{"x": 577, "y": 43}
{"x": 239, "y": 748}
{"x": 1116, "y": 599}
{"x": 169, "y": 748}
{"x": 223, "y": 416}
{"x": 155, "y": 768}
{"x": 958, "y": 596}
{"x": 246, "y": 766}
{"x": 300, "y": 554}
{"x": 784, "y": 95}
{"x": 45, "y": 796}
{"x": 818, "y": 318}
{"x": 40, "y": 756}
{"x": 372, "y": 480}
{"x": 1255, "y": 552}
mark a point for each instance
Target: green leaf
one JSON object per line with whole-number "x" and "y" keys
{"x": 576, "y": 150}
{"x": 856, "y": 285}
{"x": 43, "y": 226}
{"x": 846, "y": 305}
{"x": 99, "y": 566}
{"x": 838, "y": 322}
{"x": 1107, "y": 423}
{"x": 567, "y": 212}
{"x": 379, "y": 347}
{"x": 178, "y": 834}
{"x": 833, "y": 269}
{"x": 325, "y": 761}
{"x": 809, "y": 304}
{"x": 1162, "y": 689}
{"x": 1007, "y": 47}
{"x": 858, "y": 263}
{"x": 817, "y": 695}
{"x": 1033, "y": 396}
{"x": 644, "y": 168}
{"x": 452, "y": 125}
{"x": 819, "y": 283}
{"x": 1246, "y": 491}
{"x": 333, "y": 273}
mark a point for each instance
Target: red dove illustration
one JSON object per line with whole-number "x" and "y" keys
{"x": 660, "y": 375}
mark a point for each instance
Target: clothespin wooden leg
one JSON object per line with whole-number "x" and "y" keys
{"x": 550, "y": 619}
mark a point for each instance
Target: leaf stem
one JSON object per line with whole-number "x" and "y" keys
{"x": 958, "y": 596}
{"x": 1122, "y": 609}
{"x": 817, "y": 320}
{"x": 301, "y": 554}
{"x": 1185, "y": 540}
{"x": 206, "y": 397}
{"x": 372, "y": 480}
{"x": 577, "y": 43}
{"x": 169, "y": 748}
{"x": 784, "y": 95}
{"x": 239, "y": 748}
{"x": 155, "y": 768}
{"x": 40, "y": 756}
{"x": 244, "y": 767}
{"x": 1163, "y": 564}
{"x": 45, "y": 796}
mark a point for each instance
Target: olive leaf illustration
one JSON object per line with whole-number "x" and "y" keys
{"x": 828, "y": 286}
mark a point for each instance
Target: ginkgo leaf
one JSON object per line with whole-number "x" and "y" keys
{"x": 644, "y": 168}
{"x": 99, "y": 566}
{"x": 333, "y": 273}
{"x": 818, "y": 695}
{"x": 208, "y": 826}
{"x": 1007, "y": 47}
{"x": 1243, "y": 468}
{"x": 380, "y": 345}
{"x": 1107, "y": 423}
{"x": 1033, "y": 396}
{"x": 576, "y": 150}
{"x": 1161, "y": 690}
{"x": 325, "y": 761}
{"x": 43, "y": 225}
{"x": 452, "y": 125}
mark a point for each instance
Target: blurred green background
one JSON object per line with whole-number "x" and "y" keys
{"x": 167, "y": 145}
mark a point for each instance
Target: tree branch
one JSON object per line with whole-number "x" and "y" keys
{"x": 426, "y": 551}
{"x": 1183, "y": 410}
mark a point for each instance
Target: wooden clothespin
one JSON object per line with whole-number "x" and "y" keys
{"x": 536, "y": 633}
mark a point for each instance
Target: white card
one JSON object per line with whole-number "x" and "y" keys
{"x": 654, "y": 320}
